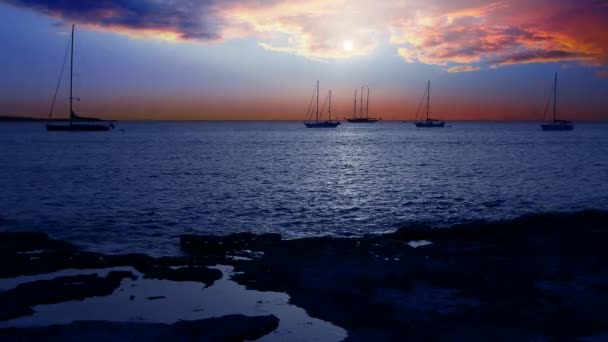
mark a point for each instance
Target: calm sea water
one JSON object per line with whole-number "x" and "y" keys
{"x": 138, "y": 188}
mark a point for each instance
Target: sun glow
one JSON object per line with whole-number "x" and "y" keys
{"x": 348, "y": 45}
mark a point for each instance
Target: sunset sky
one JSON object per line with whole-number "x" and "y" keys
{"x": 258, "y": 59}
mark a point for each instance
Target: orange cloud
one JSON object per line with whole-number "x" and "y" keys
{"x": 493, "y": 35}
{"x": 463, "y": 68}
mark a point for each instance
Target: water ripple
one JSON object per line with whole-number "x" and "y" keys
{"x": 138, "y": 190}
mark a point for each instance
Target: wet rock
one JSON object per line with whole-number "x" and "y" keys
{"x": 527, "y": 226}
{"x": 47, "y": 261}
{"x": 18, "y": 301}
{"x": 540, "y": 277}
{"x": 12, "y": 242}
{"x": 221, "y": 245}
{"x": 36, "y": 253}
{"x": 226, "y": 328}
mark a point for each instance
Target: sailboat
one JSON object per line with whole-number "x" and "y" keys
{"x": 316, "y": 123}
{"x": 76, "y": 123}
{"x": 361, "y": 118}
{"x": 428, "y": 123}
{"x": 556, "y": 125}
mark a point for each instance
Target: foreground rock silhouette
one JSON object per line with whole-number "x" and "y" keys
{"x": 538, "y": 277}
{"x": 535, "y": 277}
{"x": 18, "y": 301}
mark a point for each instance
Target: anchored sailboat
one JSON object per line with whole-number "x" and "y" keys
{"x": 556, "y": 125}
{"x": 428, "y": 123}
{"x": 316, "y": 123}
{"x": 362, "y": 118}
{"x": 76, "y": 123}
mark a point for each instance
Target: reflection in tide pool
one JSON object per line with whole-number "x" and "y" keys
{"x": 174, "y": 301}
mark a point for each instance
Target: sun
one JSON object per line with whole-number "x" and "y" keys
{"x": 348, "y": 45}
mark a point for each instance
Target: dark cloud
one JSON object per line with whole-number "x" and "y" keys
{"x": 187, "y": 19}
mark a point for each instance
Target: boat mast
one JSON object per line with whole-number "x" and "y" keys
{"x": 71, "y": 74}
{"x": 317, "y": 100}
{"x": 428, "y": 100}
{"x": 330, "y": 105}
{"x": 554, "y": 97}
{"x": 355, "y": 106}
{"x": 361, "y": 104}
{"x": 367, "y": 105}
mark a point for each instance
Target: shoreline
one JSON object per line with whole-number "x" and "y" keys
{"x": 536, "y": 276}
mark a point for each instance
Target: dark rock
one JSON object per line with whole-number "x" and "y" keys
{"x": 13, "y": 242}
{"x": 36, "y": 253}
{"x": 155, "y": 297}
{"x": 226, "y": 328}
{"x": 220, "y": 245}
{"x": 554, "y": 224}
{"x": 540, "y": 277}
{"x": 18, "y": 301}
{"x": 477, "y": 281}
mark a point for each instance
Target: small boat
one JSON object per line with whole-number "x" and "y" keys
{"x": 76, "y": 123}
{"x": 556, "y": 125}
{"x": 361, "y": 118}
{"x": 317, "y": 123}
{"x": 429, "y": 122}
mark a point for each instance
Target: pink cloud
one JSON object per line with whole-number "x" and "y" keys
{"x": 463, "y": 68}
{"x": 504, "y": 33}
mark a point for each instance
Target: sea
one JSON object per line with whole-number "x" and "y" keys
{"x": 138, "y": 187}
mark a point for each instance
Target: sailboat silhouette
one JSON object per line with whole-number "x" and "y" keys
{"x": 556, "y": 125}
{"x": 77, "y": 123}
{"x": 317, "y": 123}
{"x": 429, "y": 123}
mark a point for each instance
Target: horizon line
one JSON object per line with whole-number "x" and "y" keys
{"x": 39, "y": 119}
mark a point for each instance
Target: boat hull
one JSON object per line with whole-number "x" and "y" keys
{"x": 557, "y": 127}
{"x": 362, "y": 120}
{"x": 430, "y": 124}
{"x": 325, "y": 124}
{"x": 78, "y": 128}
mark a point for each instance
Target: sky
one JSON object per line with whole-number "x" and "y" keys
{"x": 260, "y": 59}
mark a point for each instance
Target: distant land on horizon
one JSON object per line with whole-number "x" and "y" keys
{"x": 16, "y": 118}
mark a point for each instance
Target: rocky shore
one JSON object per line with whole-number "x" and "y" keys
{"x": 538, "y": 277}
